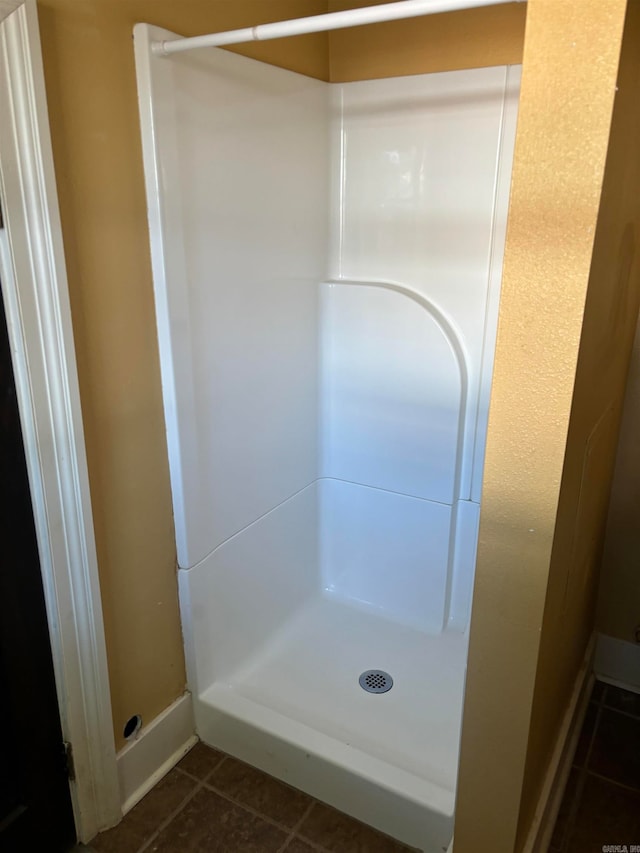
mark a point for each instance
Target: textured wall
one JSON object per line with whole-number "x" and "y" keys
{"x": 90, "y": 79}
{"x": 569, "y": 74}
{"x": 473, "y": 38}
{"x": 607, "y": 336}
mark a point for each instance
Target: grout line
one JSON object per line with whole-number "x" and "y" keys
{"x": 624, "y": 713}
{"x": 215, "y": 769}
{"x": 297, "y": 826}
{"x": 585, "y": 771}
{"x": 187, "y": 774}
{"x": 313, "y": 844}
{"x": 614, "y": 782}
{"x": 596, "y": 725}
{"x": 306, "y": 814}
{"x": 286, "y": 843}
{"x": 163, "y": 825}
{"x": 246, "y": 807}
{"x": 575, "y": 805}
{"x": 582, "y": 777}
{"x": 206, "y": 782}
{"x": 191, "y": 776}
{"x": 316, "y": 846}
{"x": 206, "y": 776}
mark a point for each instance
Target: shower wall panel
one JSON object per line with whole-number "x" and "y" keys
{"x": 241, "y": 151}
{"x": 420, "y": 188}
{"x": 326, "y": 420}
{"x": 248, "y": 588}
{"x": 417, "y": 162}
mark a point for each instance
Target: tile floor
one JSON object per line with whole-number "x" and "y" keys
{"x": 211, "y": 803}
{"x": 601, "y": 805}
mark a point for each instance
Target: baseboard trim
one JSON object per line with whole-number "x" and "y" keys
{"x": 541, "y": 830}
{"x": 617, "y": 662}
{"x": 157, "y": 749}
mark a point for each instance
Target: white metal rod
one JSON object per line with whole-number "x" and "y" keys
{"x": 321, "y": 23}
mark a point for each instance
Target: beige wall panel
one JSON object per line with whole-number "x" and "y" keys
{"x": 473, "y": 38}
{"x": 571, "y": 55}
{"x": 605, "y": 349}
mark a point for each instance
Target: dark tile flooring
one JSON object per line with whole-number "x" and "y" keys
{"x": 601, "y": 805}
{"x": 211, "y": 803}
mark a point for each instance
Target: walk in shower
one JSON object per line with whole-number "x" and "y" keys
{"x": 327, "y": 262}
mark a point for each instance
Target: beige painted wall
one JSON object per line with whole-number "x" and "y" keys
{"x": 474, "y": 38}
{"x": 605, "y": 349}
{"x": 90, "y": 79}
{"x": 525, "y": 559}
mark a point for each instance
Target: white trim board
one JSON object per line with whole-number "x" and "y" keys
{"x": 157, "y": 748}
{"x": 555, "y": 781}
{"x": 39, "y": 320}
{"x": 618, "y": 662}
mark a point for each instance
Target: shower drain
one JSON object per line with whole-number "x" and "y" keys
{"x": 376, "y": 681}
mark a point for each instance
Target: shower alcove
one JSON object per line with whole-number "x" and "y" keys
{"x": 327, "y": 263}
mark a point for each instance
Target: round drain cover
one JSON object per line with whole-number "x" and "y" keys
{"x": 376, "y": 681}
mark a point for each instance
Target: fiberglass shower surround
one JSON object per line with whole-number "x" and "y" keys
{"x": 327, "y": 267}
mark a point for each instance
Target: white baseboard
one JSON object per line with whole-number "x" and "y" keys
{"x": 555, "y": 782}
{"x": 618, "y": 662}
{"x": 157, "y": 748}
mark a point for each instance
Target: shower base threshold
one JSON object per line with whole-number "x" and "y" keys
{"x": 297, "y": 711}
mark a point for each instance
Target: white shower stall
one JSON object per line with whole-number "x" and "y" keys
{"x": 327, "y": 262}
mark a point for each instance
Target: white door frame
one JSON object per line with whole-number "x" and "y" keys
{"x": 35, "y": 293}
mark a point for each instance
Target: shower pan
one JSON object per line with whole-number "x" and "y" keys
{"x": 327, "y": 262}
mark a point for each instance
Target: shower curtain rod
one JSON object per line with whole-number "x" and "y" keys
{"x": 321, "y": 23}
